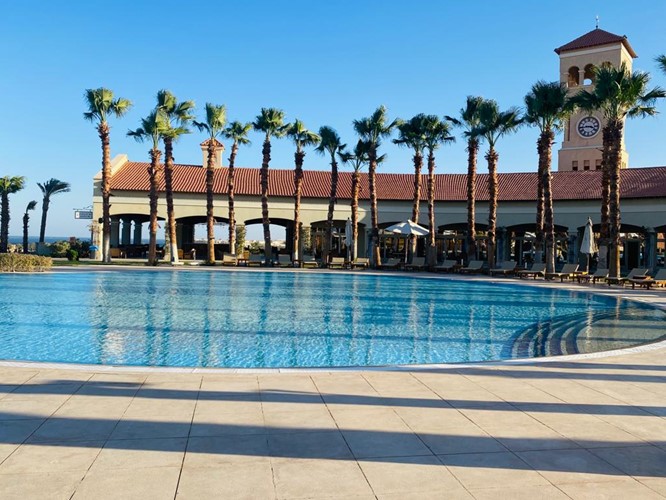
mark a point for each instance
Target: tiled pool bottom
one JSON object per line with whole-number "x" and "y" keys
{"x": 290, "y": 319}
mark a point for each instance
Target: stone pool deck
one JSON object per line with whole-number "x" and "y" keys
{"x": 571, "y": 427}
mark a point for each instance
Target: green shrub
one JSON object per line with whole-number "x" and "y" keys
{"x": 59, "y": 248}
{"x": 22, "y": 263}
{"x": 72, "y": 255}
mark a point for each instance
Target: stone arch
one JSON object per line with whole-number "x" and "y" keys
{"x": 573, "y": 76}
{"x": 588, "y": 74}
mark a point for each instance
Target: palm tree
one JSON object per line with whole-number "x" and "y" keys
{"x": 216, "y": 119}
{"x": 271, "y": 123}
{"x": 547, "y": 107}
{"x": 412, "y": 134}
{"x": 469, "y": 120}
{"x": 371, "y": 130}
{"x": 152, "y": 128}
{"x": 102, "y": 104}
{"x": 176, "y": 115}
{"x": 49, "y": 188}
{"x": 8, "y": 185}
{"x": 356, "y": 159}
{"x": 26, "y": 221}
{"x": 302, "y": 137}
{"x": 331, "y": 144}
{"x": 437, "y": 132}
{"x": 493, "y": 125}
{"x": 237, "y": 132}
{"x": 617, "y": 94}
{"x": 661, "y": 61}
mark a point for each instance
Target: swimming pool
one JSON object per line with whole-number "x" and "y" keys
{"x": 291, "y": 319}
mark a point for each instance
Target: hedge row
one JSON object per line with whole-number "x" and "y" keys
{"x": 22, "y": 263}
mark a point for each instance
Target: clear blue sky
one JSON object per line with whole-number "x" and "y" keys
{"x": 326, "y": 63}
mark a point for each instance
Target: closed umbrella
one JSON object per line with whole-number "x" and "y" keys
{"x": 588, "y": 246}
{"x": 348, "y": 237}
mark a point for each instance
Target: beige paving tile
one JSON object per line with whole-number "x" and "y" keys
{"x": 47, "y": 486}
{"x": 520, "y": 492}
{"x": 160, "y": 426}
{"x": 55, "y": 457}
{"x": 28, "y": 408}
{"x": 638, "y": 461}
{"x": 237, "y": 480}
{"x": 17, "y": 431}
{"x": 309, "y": 445}
{"x": 571, "y": 466}
{"x": 73, "y": 429}
{"x": 219, "y": 424}
{"x": 7, "y": 449}
{"x": 657, "y": 484}
{"x": 318, "y": 478}
{"x": 140, "y": 453}
{"x": 211, "y": 451}
{"x": 301, "y": 421}
{"x": 501, "y": 470}
{"x": 620, "y": 489}
{"x": 145, "y": 483}
{"x": 408, "y": 475}
{"x": 214, "y": 407}
{"x": 457, "y": 494}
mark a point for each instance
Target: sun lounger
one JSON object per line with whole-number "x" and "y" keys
{"x": 599, "y": 275}
{"x": 448, "y": 266}
{"x": 391, "y": 264}
{"x": 229, "y": 260}
{"x": 309, "y": 262}
{"x": 360, "y": 263}
{"x": 336, "y": 263}
{"x": 417, "y": 264}
{"x": 474, "y": 266}
{"x": 567, "y": 272}
{"x": 255, "y": 260}
{"x": 635, "y": 273}
{"x": 538, "y": 269}
{"x": 507, "y": 267}
{"x": 658, "y": 280}
{"x": 284, "y": 260}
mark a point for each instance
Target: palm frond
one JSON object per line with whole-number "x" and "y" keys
{"x": 31, "y": 206}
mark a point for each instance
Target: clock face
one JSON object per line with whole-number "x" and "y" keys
{"x": 588, "y": 127}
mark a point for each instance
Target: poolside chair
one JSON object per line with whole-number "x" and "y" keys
{"x": 474, "y": 266}
{"x": 635, "y": 273}
{"x": 448, "y": 266}
{"x": 284, "y": 260}
{"x": 391, "y": 264}
{"x": 255, "y": 260}
{"x": 229, "y": 260}
{"x": 418, "y": 263}
{"x": 309, "y": 262}
{"x": 567, "y": 272}
{"x": 360, "y": 263}
{"x": 599, "y": 275}
{"x": 648, "y": 282}
{"x": 537, "y": 269}
{"x": 337, "y": 263}
{"x": 506, "y": 268}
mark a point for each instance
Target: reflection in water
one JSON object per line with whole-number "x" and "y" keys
{"x": 258, "y": 319}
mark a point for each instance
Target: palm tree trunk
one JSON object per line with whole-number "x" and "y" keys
{"x": 604, "y": 231}
{"x": 331, "y": 208}
{"x": 45, "y": 211}
{"x": 4, "y": 222}
{"x": 210, "y": 210}
{"x": 168, "y": 188}
{"x": 545, "y": 160}
{"x": 539, "y": 225}
{"x": 230, "y": 198}
{"x": 103, "y": 132}
{"x": 266, "y": 152}
{"x": 472, "y": 152}
{"x": 153, "y": 197}
{"x": 298, "y": 181}
{"x": 418, "y": 165}
{"x": 432, "y": 249}
{"x": 356, "y": 187}
{"x": 26, "y": 220}
{"x": 492, "y": 157}
{"x": 375, "y": 255}
{"x": 614, "y": 216}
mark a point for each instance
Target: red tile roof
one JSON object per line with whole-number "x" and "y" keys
{"x": 582, "y": 185}
{"x": 217, "y": 143}
{"x": 596, "y": 38}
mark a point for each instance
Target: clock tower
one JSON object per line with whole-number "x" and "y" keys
{"x": 581, "y": 148}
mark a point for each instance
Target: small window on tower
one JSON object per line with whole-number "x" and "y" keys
{"x": 574, "y": 165}
{"x": 597, "y": 164}
{"x": 586, "y": 164}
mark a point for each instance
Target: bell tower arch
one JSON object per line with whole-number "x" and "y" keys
{"x": 581, "y": 147}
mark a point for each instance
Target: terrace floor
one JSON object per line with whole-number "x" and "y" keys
{"x": 571, "y": 427}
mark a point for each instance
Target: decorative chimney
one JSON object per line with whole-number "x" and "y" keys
{"x": 219, "y": 149}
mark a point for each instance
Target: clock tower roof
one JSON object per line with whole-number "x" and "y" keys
{"x": 595, "y": 38}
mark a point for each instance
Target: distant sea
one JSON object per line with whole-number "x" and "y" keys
{"x": 18, "y": 240}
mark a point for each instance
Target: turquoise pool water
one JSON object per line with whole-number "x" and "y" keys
{"x": 282, "y": 319}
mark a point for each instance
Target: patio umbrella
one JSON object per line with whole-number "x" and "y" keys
{"x": 407, "y": 228}
{"x": 588, "y": 246}
{"x": 348, "y": 237}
